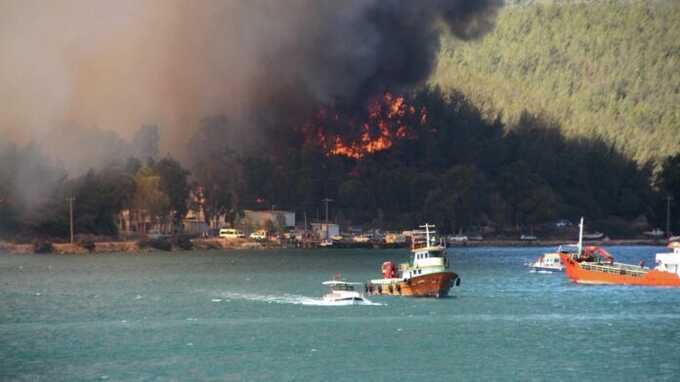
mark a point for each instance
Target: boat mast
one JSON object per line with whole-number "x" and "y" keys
{"x": 427, "y": 233}
{"x": 580, "y": 236}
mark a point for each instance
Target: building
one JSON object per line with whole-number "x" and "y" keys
{"x": 194, "y": 223}
{"x": 138, "y": 222}
{"x": 325, "y": 230}
{"x": 259, "y": 219}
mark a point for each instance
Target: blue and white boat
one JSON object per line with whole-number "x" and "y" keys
{"x": 550, "y": 262}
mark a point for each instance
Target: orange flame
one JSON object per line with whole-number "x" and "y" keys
{"x": 387, "y": 121}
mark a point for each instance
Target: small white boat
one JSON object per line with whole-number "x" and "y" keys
{"x": 656, "y": 232}
{"x": 457, "y": 238}
{"x": 593, "y": 236}
{"x": 548, "y": 263}
{"x": 344, "y": 293}
{"x": 326, "y": 243}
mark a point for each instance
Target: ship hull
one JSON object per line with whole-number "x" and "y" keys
{"x": 430, "y": 285}
{"x": 576, "y": 273}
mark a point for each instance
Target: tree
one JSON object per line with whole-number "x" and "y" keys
{"x": 149, "y": 199}
{"x": 668, "y": 182}
{"x": 217, "y": 170}
{"x": 175, "y": 184}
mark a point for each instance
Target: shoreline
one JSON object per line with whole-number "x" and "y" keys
{"x": 130, "y": 246}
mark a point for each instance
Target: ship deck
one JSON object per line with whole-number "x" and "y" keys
{"x": 616, "y": 268}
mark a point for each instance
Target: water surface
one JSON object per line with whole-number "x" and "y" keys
{"x": 257, "y": 316}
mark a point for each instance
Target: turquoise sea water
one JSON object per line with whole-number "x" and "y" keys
{"x": 257, "y": 316}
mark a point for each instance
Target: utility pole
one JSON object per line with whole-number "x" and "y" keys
{"x": 668, "y": 216}
{"x": 327, "y": 200}
{"x": 70, "y": 209}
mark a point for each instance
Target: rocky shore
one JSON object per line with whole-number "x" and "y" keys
{"x": 154, "y": 245}
{"x": 129, "y": 246}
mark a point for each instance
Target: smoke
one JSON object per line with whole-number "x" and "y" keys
{"x": 114, "y": 66}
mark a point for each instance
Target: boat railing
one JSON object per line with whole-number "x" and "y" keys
{"x": 616, "y": 268}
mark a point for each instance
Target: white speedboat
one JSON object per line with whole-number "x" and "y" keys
{"x": 344, "y": 293}
{"x": 549, "y": 262}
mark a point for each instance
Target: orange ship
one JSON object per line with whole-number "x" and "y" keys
{"x": 594, "y": 265}
{"x": 426, "y": 276}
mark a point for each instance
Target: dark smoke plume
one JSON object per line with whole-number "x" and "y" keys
{"x": 119, "y": 65}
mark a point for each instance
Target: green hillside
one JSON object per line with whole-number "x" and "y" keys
{"x": 606, "y": 69}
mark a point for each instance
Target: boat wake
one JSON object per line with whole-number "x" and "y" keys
{"x": 288, "y": 299}
{"x": 541, "y": 271}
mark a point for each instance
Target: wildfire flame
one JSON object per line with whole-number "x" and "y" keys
{"x": 388, "y": 120}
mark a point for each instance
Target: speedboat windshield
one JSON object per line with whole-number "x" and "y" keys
{"x": 340, "y": 285}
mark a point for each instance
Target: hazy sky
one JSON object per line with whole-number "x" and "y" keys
{"x": 115, "y": 65}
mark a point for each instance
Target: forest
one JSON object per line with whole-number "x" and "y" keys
{"x": 565, "y": 109}
{"x": 605, "y": 69}
{"x": 453, "y": 168}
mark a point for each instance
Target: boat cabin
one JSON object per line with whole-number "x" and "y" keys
{"x": 669, "y": 262}
{"x": 340, "y": 285}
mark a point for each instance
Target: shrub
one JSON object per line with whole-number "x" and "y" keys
{"x": 162, "y": 244}
{"x": 43, "y": 247}
{"x": 184, "y": 242}
{"x": 88, "y": 244}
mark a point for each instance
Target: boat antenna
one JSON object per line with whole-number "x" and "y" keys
{"x": 580, "y": 236}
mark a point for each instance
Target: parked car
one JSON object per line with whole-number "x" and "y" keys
{"x": 231, "y": 233}
{"x": 259, "y": 235}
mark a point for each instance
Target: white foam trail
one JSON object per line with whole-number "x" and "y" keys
{"x": 541, "y": 271}
{"x": 289, "y": 299}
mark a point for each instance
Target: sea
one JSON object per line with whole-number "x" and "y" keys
{"x": 257, "y": 315}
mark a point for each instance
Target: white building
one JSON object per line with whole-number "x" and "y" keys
{"x": 325, "y": 230}
{"x": 283, "y": 219}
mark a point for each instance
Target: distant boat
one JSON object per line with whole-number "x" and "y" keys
{"x": 593, "y": 236}
{"x": 528, "y": 237}
{"x": 344, "y": 292}
{"x": 326, "y": 243}
{"x": 656, "y": 232}
{"x": 458, "y": 238}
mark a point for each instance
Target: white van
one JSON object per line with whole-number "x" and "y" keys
{"x": 231, "y": 233}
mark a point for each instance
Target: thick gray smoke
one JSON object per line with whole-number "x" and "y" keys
{"x": 116, "y": 65}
